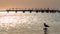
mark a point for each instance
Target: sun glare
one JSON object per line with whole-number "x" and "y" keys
{"x": 8, "y": 19}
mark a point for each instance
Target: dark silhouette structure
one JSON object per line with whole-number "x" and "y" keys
{"x": 34, "y": 10}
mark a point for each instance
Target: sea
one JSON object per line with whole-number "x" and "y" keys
{"x": 29, "y": 23}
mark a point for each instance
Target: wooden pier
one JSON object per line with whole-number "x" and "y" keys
{"x": 42, "y": 11}
{"x": 32, "y": 10}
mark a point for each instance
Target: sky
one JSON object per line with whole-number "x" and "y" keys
{"x": 4, "y": 4}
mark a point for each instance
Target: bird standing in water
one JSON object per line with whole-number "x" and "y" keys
{"x": 45, "y": 29}
{"x": 46, "y": 25}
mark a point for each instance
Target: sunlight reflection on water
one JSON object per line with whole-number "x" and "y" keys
{"x": 28, "y": 23}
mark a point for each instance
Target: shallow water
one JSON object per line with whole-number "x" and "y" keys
{"x": 29, "y": 23}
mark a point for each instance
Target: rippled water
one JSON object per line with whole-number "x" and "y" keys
{"x": 29, "y": 23}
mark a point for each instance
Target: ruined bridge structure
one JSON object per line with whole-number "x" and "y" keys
{"x": 33, "y": 10}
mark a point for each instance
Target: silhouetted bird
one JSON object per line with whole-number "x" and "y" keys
{"x": 46, "y": 25}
